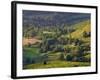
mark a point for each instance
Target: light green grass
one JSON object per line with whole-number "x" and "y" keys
{"x": 56, "y": 64}
{"x": 88, "y": 56}
{"x": 80, "y": 28}
{"x": 31, "y": 51}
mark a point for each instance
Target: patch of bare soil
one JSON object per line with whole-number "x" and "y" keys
{"x": 27, "y": 41}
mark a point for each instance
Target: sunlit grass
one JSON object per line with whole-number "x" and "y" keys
{"x": 56, "y": 64}
{"x": 80, "y": 28}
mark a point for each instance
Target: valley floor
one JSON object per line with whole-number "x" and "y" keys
{"x": 57, "y": 64}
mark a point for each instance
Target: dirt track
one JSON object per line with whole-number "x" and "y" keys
{"x": 27, "y": 41}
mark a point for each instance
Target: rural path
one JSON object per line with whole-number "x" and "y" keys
{"x": 27, "y": 41}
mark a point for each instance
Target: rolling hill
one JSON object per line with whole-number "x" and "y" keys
{"x": 80, "y": 28}
{"x": 46, "y": 18}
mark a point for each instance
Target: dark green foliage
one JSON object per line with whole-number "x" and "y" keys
{"x": 77, "y": 42}
{"x": 62, "y": 56}
{"x": 45, "y": 62}
{"x": 69, "y": 57}
{"x": 63, "y": 40}
{"x": 87, "y": 59}
{"x": 80, "y": 51}
{"x": 86, "y": 34}
{"x": 86, "y": 47}
{"x": 58, "y": 48}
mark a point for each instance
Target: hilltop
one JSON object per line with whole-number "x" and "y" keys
{"x": 46, "y": 18}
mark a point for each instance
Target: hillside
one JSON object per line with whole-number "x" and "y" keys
{"x": 80, "y": 28}
{"x": 45, "y": 18}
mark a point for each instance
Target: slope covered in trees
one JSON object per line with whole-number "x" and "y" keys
{"x": 71, "y": 45}
{"x": 45, "y": 18}
{"x": 63, "y": 42}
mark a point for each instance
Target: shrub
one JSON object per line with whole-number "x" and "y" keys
{"x": 75, "y": 59}
{"x": 69, "y": 57}
{"x": 87, "y": 58}
{"x": 86, "y": 34}
{"x": 62, "y": 56}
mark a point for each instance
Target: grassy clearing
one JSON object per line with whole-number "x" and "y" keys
{"x": 56, "y": 64}
{"x": 31, "y": 51}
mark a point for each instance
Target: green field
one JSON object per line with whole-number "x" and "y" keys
{"x": 55, "y": 64}
{"x": 31, "y": 51}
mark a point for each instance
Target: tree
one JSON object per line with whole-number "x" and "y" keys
{"x": 84, "y": 34}
{"x": 69, "y": 57}
{"x": 45, "y": 58}
{"x": 45, "y": 62}
{"x": 80, "y": 51}
{"x": 62, "y": 56}
{"x": 76, "y": 42}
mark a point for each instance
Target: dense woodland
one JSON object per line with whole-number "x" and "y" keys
{"x": 63, "y": 45}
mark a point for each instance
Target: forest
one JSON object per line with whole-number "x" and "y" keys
{"x": 51, "y": 43}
